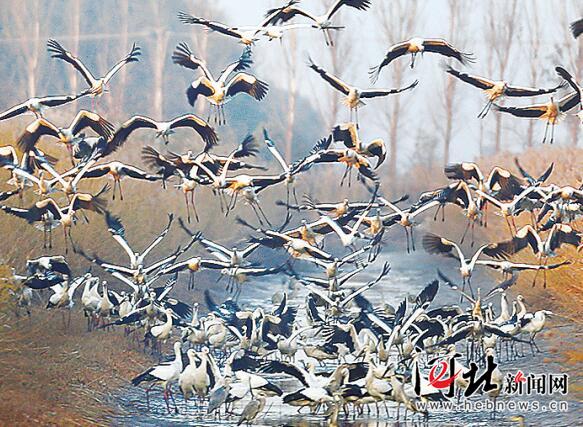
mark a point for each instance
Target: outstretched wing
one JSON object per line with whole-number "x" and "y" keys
{"x": 133, "y": 56}
{"x": 34, "y": 131}
{"x": 183, "y": 56}
{"x": 87, "y": 119}
{"x": 246, "y": 83}
{"x": 444, "y": 48}
{"x": 334, "y": 81}
{"x": 58, "y": 51}
{"x": 477, "y": 81}
{"x": 206, "y": 132}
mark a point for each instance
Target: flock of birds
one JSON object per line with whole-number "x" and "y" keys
{"x": 364, "y": 353}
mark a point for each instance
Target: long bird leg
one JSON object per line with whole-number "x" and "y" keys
{"x": 509, "y": 225}
{"x": 220, "y": 194}
{"x": 344, "y": 176}
{"x": 233, "y": 202}
{"x": 412, "y": 239}
{"x": 470, "y": 286}
{"x": 120, "y": 192}
{"x": 513, "y": 225}
{"x": 407, "y": 239}
{"x": 257, "y": 214}
{"x": 187, "y": 207}
{"x": 552, "y": 133}
{"x": 485, "y": 110}
{"x": 413, "y": 59}
{"x": 463, "y": 289}
{"x": 44, "y": 235}
{"x": 546, "y": 132}
{"x": 193, "y": 206}
{"x": 436, "y": 213}
{"x": 173, "y": 400}
{"x": 465, "y": 231}
{"x": 264, "y": 216}
{"x": 191, "y": 281}
{"x": 545, "y": 273}
{"x": 66, "y": 242}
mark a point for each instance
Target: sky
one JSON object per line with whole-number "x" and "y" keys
{"x": 369, "y": 45}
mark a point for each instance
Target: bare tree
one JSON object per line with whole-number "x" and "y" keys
{"x": 160, "y": 47}
{"x": 291, "y": 63}
{"x": 445, "y": 124}
{"x": 397, "y": 19}
{"x": 534, "y": 61}
{"x": 501, "y": 34}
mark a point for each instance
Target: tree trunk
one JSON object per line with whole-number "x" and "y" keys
{"x": 161, "y": 41}
{"x": 291, "y": 96}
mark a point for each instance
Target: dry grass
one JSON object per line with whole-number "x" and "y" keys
{"x": 54, "y": 376}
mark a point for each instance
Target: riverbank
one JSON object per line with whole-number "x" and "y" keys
{"x": 53, "y": 375}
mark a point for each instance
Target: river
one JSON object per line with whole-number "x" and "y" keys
{"x": 409, "y": 274}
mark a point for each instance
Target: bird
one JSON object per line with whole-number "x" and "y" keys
{"x": 509, "y": 209}
{"x": 323, "y": 22}
{"x": 51, "y": 215}
{"x": 347, "y": 133}
{"x": 38, "y": 105}
{"x": 420, "y": 45}
{"x": 253, "y": 408}
{"x": 118, "y": 170}
{"x": 559, "y": 234}
{"x": 165, "y": 129}
{"x": 96, "y": 85}
{"x": 509, "y": 268}
{"x": 164, "y": 374}
{"x": 221, "y": 90}
{"x": 246, "y": 35}
{"x": 551, "y": 112}
{"x": 354, "y": 95}
{"x": 70, "y": 135}
{"x": 321, "y": 153}
{"x": 435, "y": 244}
{"x": 46, "y": 264}
{"x": 496, "y": 89}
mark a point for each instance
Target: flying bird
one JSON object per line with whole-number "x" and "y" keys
{"x": 324, "y": 22}
{"x": 69, "y": 135}
{"x": 497, "y": 89}
{"x": 551, "y": 112}
{"x": 354, "y": 95}
{"x": 165, "y": 129}
{"x": 38, "y": 105}
{"x": 119, "y": 170}
{"x": 419, "y": 45}
{"x": 96, "y": 85}
{"x": 246, "y": 35}
{"x": 347, "y": 133}
{"x": 220, "y": 91}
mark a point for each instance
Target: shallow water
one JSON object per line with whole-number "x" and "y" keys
{"x": 409, "y": 274}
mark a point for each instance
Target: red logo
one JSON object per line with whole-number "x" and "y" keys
{"x": 437, "y": 381}
{"x": 519, "y": 378}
